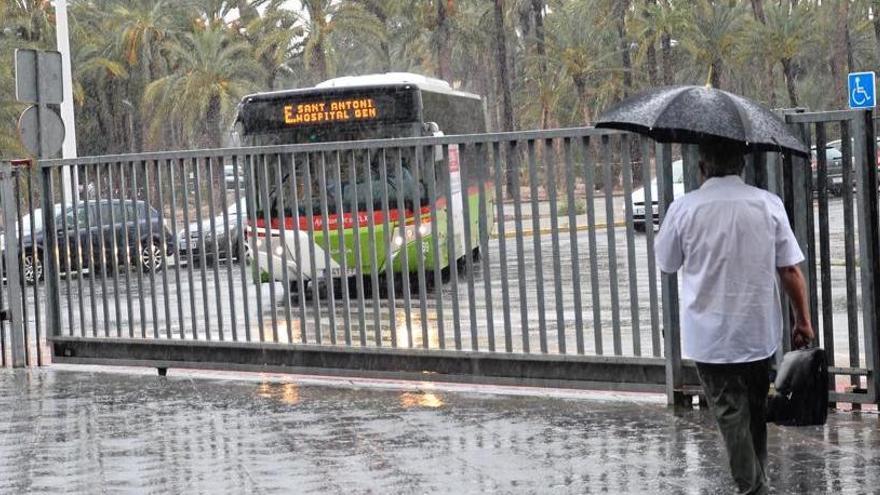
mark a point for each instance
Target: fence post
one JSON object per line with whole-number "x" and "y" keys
{"x": 669, "y": 290}
{"x": 50, "y": 252}
{"x": 869, "y": 241}
{"x": 13, "y": 267}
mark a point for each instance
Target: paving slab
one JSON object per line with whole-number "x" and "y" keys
{"x": 69, "y": 429}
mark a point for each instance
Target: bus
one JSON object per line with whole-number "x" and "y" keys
{"x": 313, "y": 208}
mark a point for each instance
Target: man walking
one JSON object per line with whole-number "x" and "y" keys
{"x": 730, "y": 241}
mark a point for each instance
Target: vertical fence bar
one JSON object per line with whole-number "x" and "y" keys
{"x": 189, "y": 246}
{"x": 500, "y": 180}
{"x": 648, "y": 187}
{"x": 250, "y": 191}
{"x": 79, "y": 263}
{"x": 68, "y": 266}
{"x": 53, "y": 281}
{"x": 148, "y": 250}
{"x": 231, "y": 252}
{"x": 138, "y": 239}
{"x": 451, "y": 242}
{"x": 481, "y": 165}
{"x": 244, "y": 237}
{"x": 86, "y": 206}
{"x": 18, "y": 355}
{"x": 434, "y": 200}
{"x": 590, "y": 188}
{"x": 849, "y": 249}
{"x": 869, "y": 240}
{"x": 178, "y": 295}
{"x": 570, "y": 184}
{"x": 281, "y": 209}
{"x": 341, "y": 245}
{"x": 389, "y": 258}
{"x": 536, "y": 245}
{"x": 263, "y": 181}
{"x": 297, "y": 250}
{"x": 415, "y": 154}
{"x": 373, "y": 246}
{"x": 627, "y": 164}
{"x": 25, "y": 258}
{"x": 669, "y": 284}
{"x": 466, "y": 152}
{"x": 215, "y": 252}
{"x": 38, "y": 332}
{"x": 114, "y": 260}
{"x": 550, "y": 166}
{"x": 126, "y": 249}
{"x": 103, "y": 230}
{"x": 163, "y": 248}
{"x": 355, "y": 214}
{"x": 612, "y": 244}
{"x": 404, "y": 247}
{"x": 325, "y": 232}
{"x": 202, "y": 246}
{"x": 313, "y": 277}
{"x": 824, "y": 245}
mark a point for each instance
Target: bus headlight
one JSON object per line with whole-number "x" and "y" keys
{"x": 425, "y": 229}
{"x": 398, "y": 241}
{"x": 279, "y": 251}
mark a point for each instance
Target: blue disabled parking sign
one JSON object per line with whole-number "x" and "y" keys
{"x": 862, "y": 90}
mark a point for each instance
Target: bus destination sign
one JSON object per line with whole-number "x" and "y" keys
{"x": 344, "y": 110}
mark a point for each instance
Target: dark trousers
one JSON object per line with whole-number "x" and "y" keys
{"x": 737, "y": 394}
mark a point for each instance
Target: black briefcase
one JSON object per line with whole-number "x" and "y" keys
{"x": 800, "y": 395}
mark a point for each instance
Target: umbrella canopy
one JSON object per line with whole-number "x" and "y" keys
{"x": 697, "y": 114}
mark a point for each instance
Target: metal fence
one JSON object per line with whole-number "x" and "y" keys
{"x": 163, "y": 258}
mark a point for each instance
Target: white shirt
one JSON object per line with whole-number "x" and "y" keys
{"x": 728, "y": 238}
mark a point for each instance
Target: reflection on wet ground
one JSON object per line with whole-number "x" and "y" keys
{"x": 95, "y": 431}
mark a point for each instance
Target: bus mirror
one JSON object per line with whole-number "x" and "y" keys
{"x": 434, "y": 130}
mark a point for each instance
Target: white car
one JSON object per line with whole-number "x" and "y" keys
{"x": 638, "y": 198}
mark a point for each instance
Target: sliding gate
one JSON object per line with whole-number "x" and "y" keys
{"x": 151, "y": 259}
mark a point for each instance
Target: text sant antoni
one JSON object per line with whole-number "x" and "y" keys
{"x": 334, "y": 111}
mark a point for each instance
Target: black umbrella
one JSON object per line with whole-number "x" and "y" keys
{"x": 697, "y": 114}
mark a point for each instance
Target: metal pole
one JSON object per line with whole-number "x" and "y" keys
{"x": 69, "y": 181}
{"x": 13, "y": 270}
{"x": 669, "y": 288}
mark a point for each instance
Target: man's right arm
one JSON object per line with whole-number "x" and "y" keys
{"x": 795, "y": 286}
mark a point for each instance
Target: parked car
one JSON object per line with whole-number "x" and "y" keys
{"x": 638, "y": 198}
{"x": 132, "y": 220}
{"x": 229, "y": 242}
{"x": 833, "y": 166}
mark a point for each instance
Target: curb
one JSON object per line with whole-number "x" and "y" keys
{"x": 547, "y": 231}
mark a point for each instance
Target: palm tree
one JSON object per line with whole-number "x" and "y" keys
{"x": 784, "y": 35}
{"x": 273, "y": 38}
{"x": 326, "y": 22}
{"x": 711, "y": 35}
{"x": 211, "y": 73}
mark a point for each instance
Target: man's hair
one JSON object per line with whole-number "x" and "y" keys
{"x": 720, "y": 158}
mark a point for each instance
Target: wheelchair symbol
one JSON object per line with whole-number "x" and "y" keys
{"x": 859, "y": 96}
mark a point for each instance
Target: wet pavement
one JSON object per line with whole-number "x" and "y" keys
{"x": 72, "y": 429}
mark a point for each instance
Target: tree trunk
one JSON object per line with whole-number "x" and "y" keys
{"x": 790, "y": 82}
{"x": 620, "y": 9}
{"x": 651, "y": 52}
{"x": 839, "y": 52}
{"x": 540, "y": 43}
{"x": 758, "y": 9}
{"x": 875, "y": 8}
{"x": 666, "y": 55}
{"x": 507, "y": 123}
{"x": 442, "y": 50}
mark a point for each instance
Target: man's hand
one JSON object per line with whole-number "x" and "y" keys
{"x": 802, "y": 334}
{"x": 796, "y": 288}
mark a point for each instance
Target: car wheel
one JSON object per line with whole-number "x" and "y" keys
{"x": 151, "y": 257}
{"x": 32, "y": 268}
